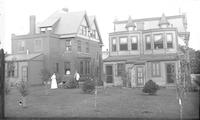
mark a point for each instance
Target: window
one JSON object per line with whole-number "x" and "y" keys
{"x": 68, "y": 45}
{"x": 49, "y": 29}
{"x": 114, "y": 46}
{"x": 156, "y": 69}
{"x": 12, "y": 68}
{"x": 42, "y": 30}
{"x": 24, "y": 73}
{"x": 67, "y": 68}
{"x": 87, "y": 47}
{"x": 83, "y": 30}
{"x": 120, "y": 69}
{"x": 169, "y": 37}
{"x": 123, "y": 43}
{"x": 38, "y": 44}
{"x": 134, "y": 43}
{"x": 79, "y": 46}
{"x": 158, "y": 41}
{"x": 148, "y": 42}
{"x": 21, "y": 45}
{"x": 87, "y": 67}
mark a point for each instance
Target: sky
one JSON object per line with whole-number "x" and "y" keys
{"x": 14, "y": 14}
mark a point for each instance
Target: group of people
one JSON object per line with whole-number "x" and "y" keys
{"x": 54, "y": 82}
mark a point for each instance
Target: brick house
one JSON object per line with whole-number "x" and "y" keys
{"x": 64, "y": 42}
{"x": 144, "y": 49}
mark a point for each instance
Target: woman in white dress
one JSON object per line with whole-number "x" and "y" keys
{"x": 53, "y": 82}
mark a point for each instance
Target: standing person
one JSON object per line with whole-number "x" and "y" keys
{"x": 53, "y": 81}
{"x": 77, "y": 77}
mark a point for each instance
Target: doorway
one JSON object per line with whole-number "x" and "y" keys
{"x": 109, "y": 74}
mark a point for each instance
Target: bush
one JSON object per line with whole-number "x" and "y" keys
{"x": 88, "y": 86}
{"x": 69, "y": 84}
{"x": 150, "y": 87}
{"x": 46, "y": 75}
{"x": 23, "y": 88}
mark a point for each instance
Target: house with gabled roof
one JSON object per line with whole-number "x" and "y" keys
{"x": 145, "y": 49}
{"x": 67, "y": 42}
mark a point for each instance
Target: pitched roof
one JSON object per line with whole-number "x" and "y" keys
{"x": 143, "y": 58}
{"x": 22, "y": 57}
{"x": 68, "y": 21}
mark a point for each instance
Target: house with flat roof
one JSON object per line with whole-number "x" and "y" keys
{"x": 144, "y": 49}
{"x": 63, "y": 43}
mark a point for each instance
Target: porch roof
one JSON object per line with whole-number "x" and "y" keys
{"x": 142, "y": 58}
{"x": 22, "y": 57}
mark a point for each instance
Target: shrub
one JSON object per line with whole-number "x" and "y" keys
{"x": 23, "y": 88}
{"x": 46, "y": 75}
{"x": 69, "y": 84}
{"x": 150, "y": 87}
{"x": 88, "y": 86}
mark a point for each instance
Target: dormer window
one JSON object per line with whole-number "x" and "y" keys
{"x": 163, "y": 22}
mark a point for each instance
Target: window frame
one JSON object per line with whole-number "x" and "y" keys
{"x": 120, "y": 68}
{"x": 79, "y": 45}
{"x": 114, "y": 46}
{"x": 171, "y": 42}
{"x": 147, "y": 43}
{"x": 120, "y": 44}
{"x": 156, "y": 69}
{"x": 67, "y": 66}
{"x": 134, "y": 43}
{"x": 68, "y": 46}
{"x": 21, "y": 45}
{"x": 161, "y": 34}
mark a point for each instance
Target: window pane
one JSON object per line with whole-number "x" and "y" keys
{"x": 123, "y": 40}
{"x": 158, "y": 41}
{"x": 67, "y": 67}
{"x": 148, "y": 42}
{"x": 155, "y": 69}
{"x": 79, "y": 46}
{"x": 114, "y": 47}
{"x": 123, "y": 43}
{"x": 169, "y": 41}
{"x": 134, "y": 44}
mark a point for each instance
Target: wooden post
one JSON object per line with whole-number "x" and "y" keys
{"x": 2, "y": 80}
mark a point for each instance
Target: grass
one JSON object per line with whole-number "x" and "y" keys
{"x": 112, "y": 102}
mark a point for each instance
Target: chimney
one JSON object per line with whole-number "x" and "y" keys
{"x": 32, "y": 24}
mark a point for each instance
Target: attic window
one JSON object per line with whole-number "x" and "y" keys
{"x": 42, "y": 30}
{"x": 49, "y": 28}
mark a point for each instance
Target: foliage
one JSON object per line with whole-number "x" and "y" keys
{"x": 192, "y": 88}
{"x": 150, "y": 87}
{"x": 45, "y": 75}
{"x": 195, "y": 62}
{"x": 88, "y": 86}
{"x": 23, "y": 88}
{"x": 69, "y": 84}
{"x": 197, "y": 80}
{"x": 7, "y": 87}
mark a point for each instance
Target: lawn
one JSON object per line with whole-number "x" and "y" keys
{"x": 111, "y": 102}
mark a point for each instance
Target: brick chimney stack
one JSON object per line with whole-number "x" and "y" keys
{"x": 32, "y": 24}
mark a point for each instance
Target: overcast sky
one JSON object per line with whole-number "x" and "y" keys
{"x": 16, "y": 14}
